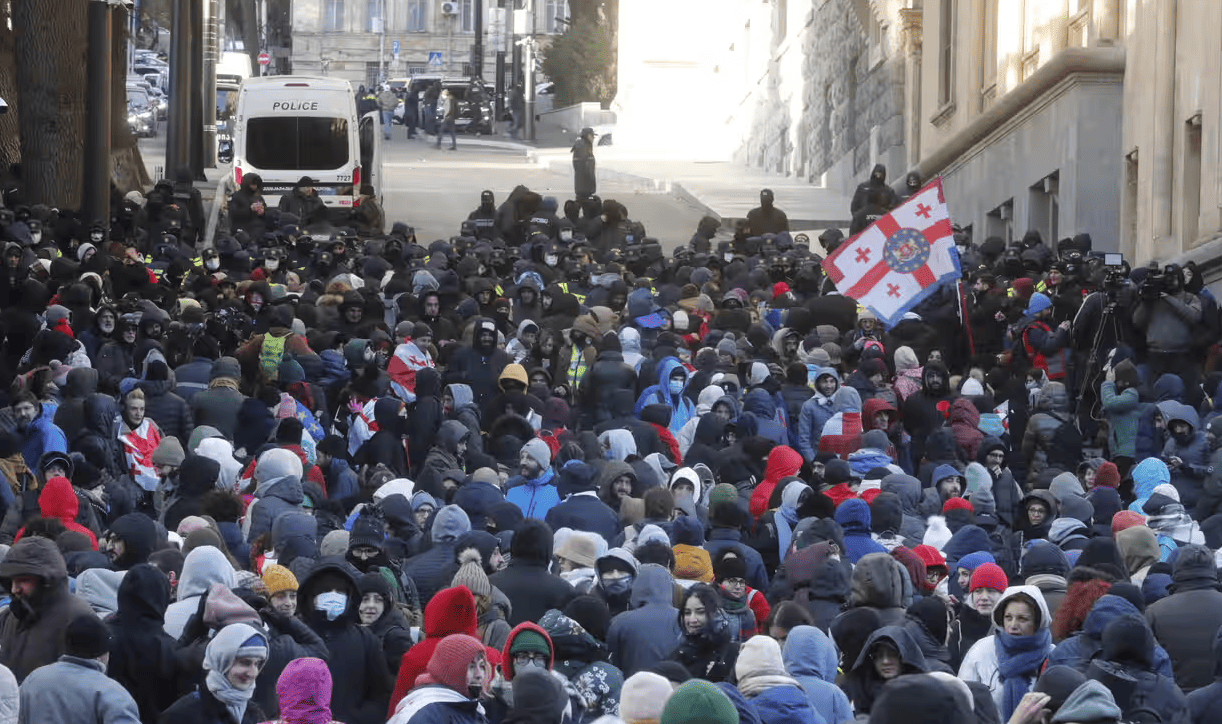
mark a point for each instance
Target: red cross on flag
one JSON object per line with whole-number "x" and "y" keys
{"x": 899, "y": 259}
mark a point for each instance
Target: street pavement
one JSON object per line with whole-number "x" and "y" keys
{"x": 434, "y": 189}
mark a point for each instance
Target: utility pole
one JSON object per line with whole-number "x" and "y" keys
{"x": 178, "y": 126}
{"x": 477, "y": 50}
{"x": 381, "y": 29}
{"x": 211, "y": 58}
{"x": 528, "y": 70}
{"x": 97, "y": 101}
{"x": 196, "y": 92}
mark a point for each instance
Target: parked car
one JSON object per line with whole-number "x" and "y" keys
{"x": 141, "y": 111}
{"x": 475, "y": 113}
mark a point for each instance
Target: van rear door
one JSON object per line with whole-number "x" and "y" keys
{"x": 371, "y": 153}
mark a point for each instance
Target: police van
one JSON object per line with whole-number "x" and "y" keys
{"x": 286, "y": 127}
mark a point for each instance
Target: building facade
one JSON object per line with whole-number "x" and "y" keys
{"x": 1064, "y": 116}
{"x": 344, "y": 38}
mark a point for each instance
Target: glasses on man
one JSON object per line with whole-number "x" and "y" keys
{"x": 529, "y": 659}
{"x": 735, "y": 582}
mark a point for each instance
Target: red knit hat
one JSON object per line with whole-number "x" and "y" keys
{"x": 988, "y": 575}
{"x": 956, "y": 504}
{"x": 450, "y": 660}
{"x": 1126, "y": 519}
{"x": 1107, "y": 476}
{"x": 931, "y": 556}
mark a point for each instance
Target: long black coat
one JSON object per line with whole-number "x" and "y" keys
{"x": 584, "y": 181}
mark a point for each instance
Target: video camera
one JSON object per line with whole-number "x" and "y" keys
{"x": 1155, "y": 283}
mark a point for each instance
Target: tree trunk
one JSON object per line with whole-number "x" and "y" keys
{"x": 10, "y": 138}
{"x": 50, "y": 58}
{"x": 127, "y": 171}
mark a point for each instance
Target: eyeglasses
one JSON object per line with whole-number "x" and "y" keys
{"x": 527, "y": 659}
{"x": 735, "y": 582}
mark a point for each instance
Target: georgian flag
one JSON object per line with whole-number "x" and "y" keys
{"x": 406, "y": 362}
{"x": 899, "y": 259}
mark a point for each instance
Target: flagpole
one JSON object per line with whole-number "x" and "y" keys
{"x": 971, "y": 343}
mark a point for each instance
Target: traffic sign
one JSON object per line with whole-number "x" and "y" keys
{"x": 394, "y": 47}
{"x": 265, "y": 59}
{"x": 435, "y": 59}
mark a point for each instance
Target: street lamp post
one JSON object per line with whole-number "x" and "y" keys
{"x": 381, "y": 42}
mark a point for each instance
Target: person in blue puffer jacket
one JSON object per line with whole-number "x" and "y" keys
{"x": 817, "y": 411}
{"x": 669, "y": 391}
{"x": 764, "y": 681}
{"x": 533, "y": 490}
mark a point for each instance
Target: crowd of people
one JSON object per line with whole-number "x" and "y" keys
{"x": 545, "y": 472}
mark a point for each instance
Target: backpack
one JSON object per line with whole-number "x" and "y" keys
{"x": 1065, "y": 447}
{"x": 271, "y": 352}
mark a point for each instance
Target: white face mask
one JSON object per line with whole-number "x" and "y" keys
{"x": 36, "y": 236}
{"x": 272, "y": 264}
{"x": 332, "y": 603}
{"x": 212, "y": 264}
{"x": 728, "y": 256}
{"x": 676, "y": 387}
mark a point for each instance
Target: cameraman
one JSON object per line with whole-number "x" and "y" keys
{"x": 1167, "y": 314}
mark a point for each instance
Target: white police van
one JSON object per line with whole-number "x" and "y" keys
{"x": 286, "y": 127}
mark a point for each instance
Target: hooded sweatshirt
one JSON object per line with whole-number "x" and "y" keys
{"x": 648, "y": 632}
{"x": 811, "y": 658}
{"x": 202, "y": 567}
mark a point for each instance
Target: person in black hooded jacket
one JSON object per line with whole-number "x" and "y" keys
{"x": 386, "y": 445}
{"x": 877, "y": 185}
{"x": 98, "y": 440}
{"x": 707, "y": 648}
{"x": 479, "y": 365}
{"x": 142, "y": 654}
{"x": 196, "y": 478}
{"x": 888, "y": 653}
{"x": 608, "y": 375}
{"x": 131, "y": 540}
{"x": 706, "y": 447}
{"x": 622, "y": 402}
{"x": 1126, "y": 668}
{"x": 925, "y": 411}
{"x": 362, "y": 683}
{"x": 425, "y": 417}
{"x": 528, "y": 584}
{"x": 168, "y": 410}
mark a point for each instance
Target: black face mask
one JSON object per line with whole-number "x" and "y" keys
{"x": 23, "y": 609}
{"x": 619, "y": 589}
{"x": 474, "y": 692}
{"x": 1183, "y": 438}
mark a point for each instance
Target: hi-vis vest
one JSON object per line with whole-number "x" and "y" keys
{"x": 1054, "y": 364}
{"x": 581, "y": 298}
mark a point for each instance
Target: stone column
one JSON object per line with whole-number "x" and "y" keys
{"x": 1162, "y": 213}
{"x": 911, "y": 28}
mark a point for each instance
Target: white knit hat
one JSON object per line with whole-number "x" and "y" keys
{"x": 642, "y": 698}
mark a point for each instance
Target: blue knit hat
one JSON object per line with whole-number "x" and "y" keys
{"x": 1038, "y": 303}
{"x": 974, "y": 560}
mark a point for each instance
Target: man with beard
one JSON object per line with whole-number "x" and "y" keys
{"x": 480, "y": 364}
{"x": 31, "y": 629}
{"x": 37, "y": 433}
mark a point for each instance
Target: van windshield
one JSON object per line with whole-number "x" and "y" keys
{"x": 297, "y": 143}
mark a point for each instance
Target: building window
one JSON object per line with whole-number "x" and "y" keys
{"x": 1190, "y": 224}
{"x": 417, "y": 12}
{"x": 988, "y": 44}
{"x": 557, "y": 12}
{"x": 1000, "y": 222}
{"x": 466, "y": 14}
{"x": 946, "y": 52}
{"x": 1044, "y": 211}
{"x": 373, "y": 16}
{"x": 333, "y": 15}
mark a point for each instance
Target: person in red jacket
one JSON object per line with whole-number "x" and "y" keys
{"x": 783, "y": 462}
{"x": 450, "y": 611}
{"x": 58, "y": 500}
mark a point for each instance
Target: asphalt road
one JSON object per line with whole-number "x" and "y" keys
{"x": 433, "y": 189}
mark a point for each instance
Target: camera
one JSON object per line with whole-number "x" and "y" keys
{"x": 1154, "y": 284}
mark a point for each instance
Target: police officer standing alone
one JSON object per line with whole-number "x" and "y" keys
{"x": 585, "y": 183}
{"x": 766, "y": 218}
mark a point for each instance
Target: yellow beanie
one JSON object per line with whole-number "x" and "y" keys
{"x": 693, "y": 563}
{"x": 278, "y": 579}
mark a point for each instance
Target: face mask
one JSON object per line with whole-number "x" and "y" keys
{"x": 550, "y": 259}
{"x": 272, "y": 264}
{"x": 212, "y": 264}
{"x": 1183, "y": 438}
{"x": 96, "y": 237}
{"x": 36, "y": 236}
{"x": 332, "y": 603}
{"x": 728, "y": 256}
{"x": 676, "y": 387}
{"x": 618, "y": 586}
{"x": 474, "y": 691}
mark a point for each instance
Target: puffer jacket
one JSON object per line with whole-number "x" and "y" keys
{"x": 1052, "y": 411}
{"x": 1188, "y": 477}
{"x": 814, "y": 414}
{"x": 908, "y": 490}
{"x": 597, "y": 395}
{"x": 783, "y": 461}
{"x": 275, "y": 496}
{"x": 1122, "y": 410}
{"x": 1149, "y": 439}
{"x": 1080, "y": 650}
{"x": 882, "y": 583}
{"x": 853, "y": 516}
{"x": 28, "y": 643}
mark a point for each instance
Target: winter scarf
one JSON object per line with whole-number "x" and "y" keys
{"x": 1019, "y": 657}
{"x": 233, "y": 641}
